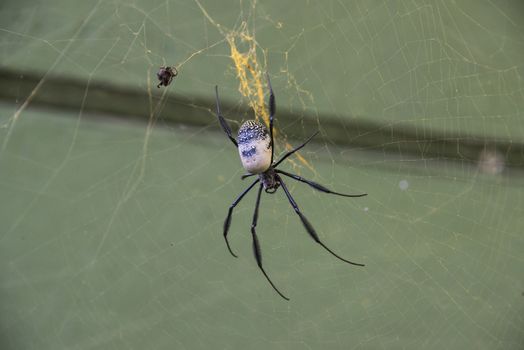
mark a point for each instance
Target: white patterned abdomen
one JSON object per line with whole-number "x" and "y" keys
{"x": 254, "y": 147}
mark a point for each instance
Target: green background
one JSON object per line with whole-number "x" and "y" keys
{"x": 110, "y": 228}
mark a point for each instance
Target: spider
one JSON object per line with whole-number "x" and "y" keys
{"x": 165, "y": 75}
{"x": 255, "y": 147}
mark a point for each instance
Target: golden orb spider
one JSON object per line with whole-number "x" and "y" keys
{"x": 255, "y": 147}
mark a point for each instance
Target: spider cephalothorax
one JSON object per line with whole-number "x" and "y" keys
{"x": 268, "y": 179}
{"x": 255, "y": 147}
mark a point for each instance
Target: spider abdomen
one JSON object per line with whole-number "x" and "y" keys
{"x": 254, "y": 147}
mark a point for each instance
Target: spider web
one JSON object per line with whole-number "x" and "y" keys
{"x": 110, "y": 232}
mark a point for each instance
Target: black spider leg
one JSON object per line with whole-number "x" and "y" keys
{"x": 256, "y": 245}
{"x": 307, "y": 224}
{"x": 227, "y": 222}
{"x": 223, "y": 122}
{"x": 294, "y": 150}
{"x": 318, "y": 186}
{"x": 272, "y": 110}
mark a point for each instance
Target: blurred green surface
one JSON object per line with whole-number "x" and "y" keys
{"x": 451, "y": 66}
{"x": 110, "y": 231}
{"x": 101, "y": 248}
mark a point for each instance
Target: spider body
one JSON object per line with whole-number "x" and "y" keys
{"x": 255, "y": 147}
{"x": 165, "y": 75}
{"x": 269, "y": 179}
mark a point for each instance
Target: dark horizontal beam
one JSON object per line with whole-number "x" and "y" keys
{"x": 126, "y": 102}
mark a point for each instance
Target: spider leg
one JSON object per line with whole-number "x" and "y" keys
{"x": 272, "y": 109}
{"x": 227, "y": 222}
{"x": 245, "y": 176}
{"x": 317, "y": 186}
{"x": 307, "y": 224}
{"x": 223, "y": 122}
{"x": 294, "y": 150}
{"x": 256, "y": 245}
